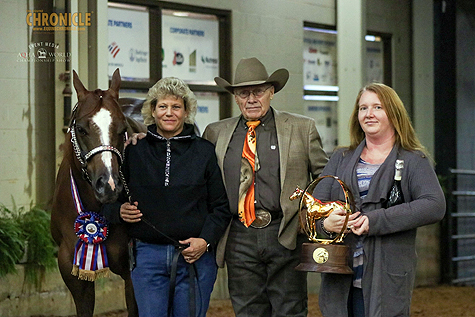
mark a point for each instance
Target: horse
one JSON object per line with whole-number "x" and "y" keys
{"x": 91, "y": 166}
{"x": 315, "y": 209}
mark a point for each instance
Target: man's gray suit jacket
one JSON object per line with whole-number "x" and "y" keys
{"x": 301, "y": 160}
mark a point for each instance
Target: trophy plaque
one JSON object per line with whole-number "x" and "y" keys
{"x": 322, "y": 255}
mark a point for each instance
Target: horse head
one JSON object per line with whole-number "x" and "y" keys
{"x": 296, "y": 194}
{"x": 98, "y": 131}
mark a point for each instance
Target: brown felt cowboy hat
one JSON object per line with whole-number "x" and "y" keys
{"x": 250, "y": 71}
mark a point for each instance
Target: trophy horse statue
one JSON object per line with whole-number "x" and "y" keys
{"x": 323, "y": 255}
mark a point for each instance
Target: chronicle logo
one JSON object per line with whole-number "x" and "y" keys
{"x": 47, "y": 22}
{"x": 43, "y": 52}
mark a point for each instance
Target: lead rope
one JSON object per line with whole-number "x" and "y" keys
{"x": 178, "y": 248}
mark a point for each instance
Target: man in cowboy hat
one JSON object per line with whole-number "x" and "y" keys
{"x": 262, "y": 245}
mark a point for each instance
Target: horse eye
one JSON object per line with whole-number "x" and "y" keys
{"x": 81, "y": 130}
{"x": 123, "y": 134}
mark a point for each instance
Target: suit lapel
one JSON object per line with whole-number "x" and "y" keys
{"x": 283, "y": 137}
{"x": 224, "y": 139}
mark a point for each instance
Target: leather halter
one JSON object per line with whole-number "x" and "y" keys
{"x": 82, "y": 156}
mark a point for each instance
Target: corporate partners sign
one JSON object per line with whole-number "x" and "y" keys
{"x": 191, "y": 48}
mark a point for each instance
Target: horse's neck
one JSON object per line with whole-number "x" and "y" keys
{"x": 309, "y": 199}
{"x": 86, "y": 193}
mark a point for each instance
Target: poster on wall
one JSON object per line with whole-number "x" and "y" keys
{"x": 319, "y": 55}
{"x": 128, "y": 44}
{"x": 374, "y": 61}
{"x": 208, "y": 109}
{"x": 190, "y": 47}
{"x": 324, "y": 114}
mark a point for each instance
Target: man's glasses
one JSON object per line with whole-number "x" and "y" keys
{"x": 258, "y": 92}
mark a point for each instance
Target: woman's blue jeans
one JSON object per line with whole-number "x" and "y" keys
{"x": 151, "y": 279}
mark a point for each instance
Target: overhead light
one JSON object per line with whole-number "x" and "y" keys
{"x": 180, "y": 14}
{"x": 321, "y": 98}
{"x": 307, "y": 28}
{"x": 320, "y": 88}
{"x": 372, "y": 38}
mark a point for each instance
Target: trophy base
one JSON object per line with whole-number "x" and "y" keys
{"x": 331, "y": 258}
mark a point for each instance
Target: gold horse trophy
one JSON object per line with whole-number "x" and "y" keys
{"x": 323, "y": 255}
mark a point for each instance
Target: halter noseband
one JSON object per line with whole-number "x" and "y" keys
{"x": 84, "y": 157}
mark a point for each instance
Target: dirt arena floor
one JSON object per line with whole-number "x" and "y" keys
{"x": 440, "y": 301}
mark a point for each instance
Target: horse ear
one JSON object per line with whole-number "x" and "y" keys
{"x": 80, "y": 89}
{"x": 115, "y": 83}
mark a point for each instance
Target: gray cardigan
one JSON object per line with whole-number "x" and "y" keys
{"x": 389, "y": 248}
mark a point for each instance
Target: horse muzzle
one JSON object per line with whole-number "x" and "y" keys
{"x": 107, "y": 187}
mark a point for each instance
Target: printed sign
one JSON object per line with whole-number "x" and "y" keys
{"x": 208, "y": 109}
{"x": 319, "y": 55}
{"x": 190, "y": 48}
{"x": 324, "y": 113}
{"x": 374, "y": 59}
{"x": 129, "y": 43}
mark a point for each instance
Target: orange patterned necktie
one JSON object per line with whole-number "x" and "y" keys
{"x": 246, "y": 208}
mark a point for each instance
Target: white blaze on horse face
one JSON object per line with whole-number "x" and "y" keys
{"x": 103, "y": 119}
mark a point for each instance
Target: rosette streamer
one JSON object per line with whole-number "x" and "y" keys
{"x": 90, "y": 257}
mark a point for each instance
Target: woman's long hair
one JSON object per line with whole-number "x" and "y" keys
{"x": 397, "y": 115}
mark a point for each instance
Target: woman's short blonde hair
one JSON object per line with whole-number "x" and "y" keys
{"x": 169, "y": 86}
{"x": 397, "y": 116}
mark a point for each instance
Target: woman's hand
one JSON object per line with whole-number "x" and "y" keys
{"x": 335, "y": 221}
{"x": 130, "y": 213}
{"x": 196, "y": 249}
{"x": 360, "y": 226}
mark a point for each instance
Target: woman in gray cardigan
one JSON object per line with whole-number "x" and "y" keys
{"x": 381, "y": 239}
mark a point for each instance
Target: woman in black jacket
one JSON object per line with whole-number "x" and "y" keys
{"x": 178, "y": 197}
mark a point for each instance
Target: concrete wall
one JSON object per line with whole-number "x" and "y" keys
{"x": 17, "y": 113}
